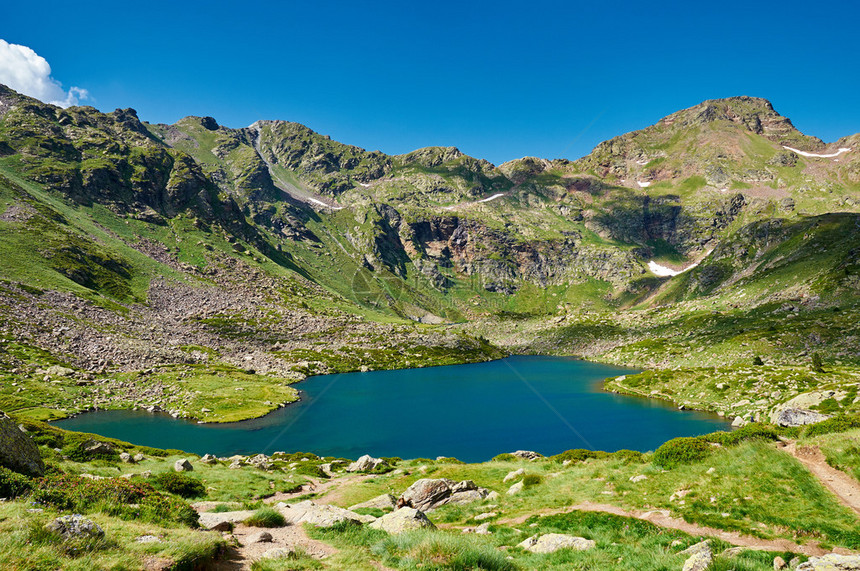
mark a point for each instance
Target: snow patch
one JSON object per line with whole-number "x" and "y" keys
{"x": 321, "y": 203}
{"x": 828, "y": 156}
{"x": 495, "y": 196}
{"x": 365, "y": 185}
{"x": 663, "y": 271}
{"x": 643, "y": 184}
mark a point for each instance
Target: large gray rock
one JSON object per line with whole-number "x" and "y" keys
{"x": 552, "y": 542}
{"x": 831, "y": 562}
{"x": 323, "y": 515}
{"x": 223, "y": 521}
{"x": 383, "y": 502}
{"x": 428, "y": 494}
{"x": 527, "y": 455}
{"x": 367, "y": 463}
{"x": 699, "y": 557}
{"x": 799, "y": 417}
{"x": 404, "y": 519}
{"x": 18, "y": 452}
{"x": 71, "y": 526}
{"x": 513, "y": 475}
{"x": 183, "y": 465}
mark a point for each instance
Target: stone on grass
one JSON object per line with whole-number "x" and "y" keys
{"x": 639, "y": 478}
{"x": 183, "y": 465}
{"x": 831, "y": 562}
{"x": 552, "y": 542}
{"x": 259, "y": 537}
{"x": 513, "y": 475}
{"x": 139, "y": 457}
{"x": 223, "y": 521}
{"x": 515, "y": 489}
{"x": 18, "y": 452}
{"x": 367, "y": 463}
{"x": 428, "y": 494}
{"x": 209, "y": 459}
{"x": 779, "y": 563}
{"x": 126, "y": 457}
{"x": 799, "y": 417}
{"x": 383, "y": 502}
{"x": 526, "y": 455}
{"x": 404, "y": 519}
{"x": 70, "y": 526}
{"x": 147, "y": 539}
{"x": 322, "y": 515}
{"x": 699, "y": 556}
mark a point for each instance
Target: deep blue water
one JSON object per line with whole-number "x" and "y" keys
{"x": 471, "y": 412}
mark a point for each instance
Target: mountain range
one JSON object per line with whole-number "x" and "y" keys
{"x": 151, "y": 265}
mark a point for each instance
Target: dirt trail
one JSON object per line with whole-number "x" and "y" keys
{"x": 662, "y": 518}
{"x": 288, "y": 537}
{"x": 846, "y": 488}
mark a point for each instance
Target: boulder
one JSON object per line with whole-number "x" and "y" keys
{"x": 139, "y": 457}
{"x": 18, "y": 452}
{"x": 526, "y": 455}
{"x": 383, "y": 502}
{"x": 367, "y": 463}
{"x": 99, "y": 448}
{"x": 552, "y": 542}
{"x": 779, "y": 563}
{"x": 126, "y": 457}
{"x": 70, "y": 526}
{"x": 223, "y": 521}
{"x": 831, "y": 562}
{"x": 209, "y": 459}
{"x": 699, "y": 557}
{"x": 799, "y": 417}
{"x": 183, "y": 465}
{"x": 515, "y": 489}
{"x": 319, "y": 515}
{"x": 259, "y": 537}
{"x": 428, "y": 494}
{"x": 513, "y": 475}
{"x": 404, "y": 519}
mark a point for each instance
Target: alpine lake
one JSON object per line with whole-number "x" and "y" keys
{"x": 471, "y": 412}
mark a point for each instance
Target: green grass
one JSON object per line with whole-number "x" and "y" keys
{"x": 266, "y": 517}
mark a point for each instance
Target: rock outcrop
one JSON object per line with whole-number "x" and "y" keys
{"x": 367, "y": 463}
{"x": 323, "y": 515}
{"x": 18, "y": 452}
{"x": 404, "y": 519}
{"x": 552, "y": 542}
{"x": 71, "y": 526}
{"x": 699, "y": 557}
{"x": 831, "y": 562}
{"x": 799, "y": 417}
{"x": 428, "y": 494}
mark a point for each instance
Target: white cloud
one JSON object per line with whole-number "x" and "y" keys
{"x": 27, "y": 72}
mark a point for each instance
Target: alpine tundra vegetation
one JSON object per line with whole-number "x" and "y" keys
{"x": 201, "y": 271}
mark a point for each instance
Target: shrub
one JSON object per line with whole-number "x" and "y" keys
{"x": 77, "y": 451}
{"x": 506, "y": 457}
{"x": 757, "y": 361}
{"x": 13, "y": 484}
{"x": 839, "y": 423}
{"x": 683, "y": 450}
{"x": 126, "y": 499}
{"x": 532, "y": 480}
{"x": 629, "y": 456}
{"x": 179, "y": 484}
{"x": 752, "y": 431}
{"x": 579, "y": 455}
{"x": 266, "y": 517}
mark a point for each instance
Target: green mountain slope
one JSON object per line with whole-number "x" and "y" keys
{"x": 274, "y": 252}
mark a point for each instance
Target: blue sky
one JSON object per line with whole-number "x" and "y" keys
{"x": 500, "y": 80}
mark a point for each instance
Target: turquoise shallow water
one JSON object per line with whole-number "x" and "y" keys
{"x": 471, "y": 412}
